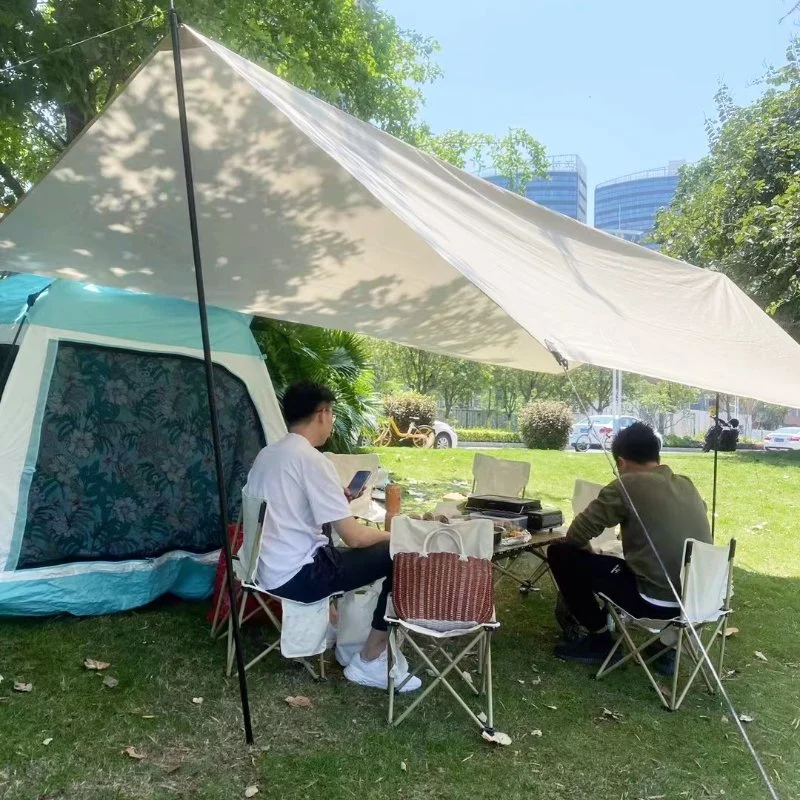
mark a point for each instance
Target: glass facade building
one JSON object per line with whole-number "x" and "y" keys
{"x": 627, "y": 206}
{"x": 563, "y": 190}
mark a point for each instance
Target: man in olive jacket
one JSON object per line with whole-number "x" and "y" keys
{"x": 671, "y": 510}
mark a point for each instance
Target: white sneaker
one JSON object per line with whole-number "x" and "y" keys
{"x": 374, "y": 674}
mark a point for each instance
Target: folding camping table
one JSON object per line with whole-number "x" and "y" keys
{"x": 505, "y": 555}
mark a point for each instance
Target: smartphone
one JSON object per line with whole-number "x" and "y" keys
{"x": 359, "y": 482}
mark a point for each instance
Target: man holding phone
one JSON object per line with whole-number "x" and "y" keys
{"x": 303, "y": 494}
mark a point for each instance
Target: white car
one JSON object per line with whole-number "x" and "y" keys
{"x": 600, "y": 429}
{"x": 446, "y": 437}
{"x": 783, "y": 439}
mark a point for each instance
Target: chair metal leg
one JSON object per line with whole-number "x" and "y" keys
{"x": 723, "y": 638}
{"x": 216, "y": 623}
{"x": 389, "y": 664}
{"x": 440, "y": 677}
{"x": 231, "y": 652}
{"x": 488, "y": 673}
{"x": 678, "y": 650}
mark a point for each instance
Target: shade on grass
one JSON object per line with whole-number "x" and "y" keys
{"x": 341, "y": 748}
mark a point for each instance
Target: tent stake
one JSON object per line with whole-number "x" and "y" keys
{"x": 716, "y": 459}
{"x": 174, "y": 24}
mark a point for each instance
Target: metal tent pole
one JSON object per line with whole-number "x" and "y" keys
{"x": 174, "y": 24}
{"x": 716, "y": 460}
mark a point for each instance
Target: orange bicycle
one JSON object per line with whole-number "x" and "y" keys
{"x": 418, "y": 435}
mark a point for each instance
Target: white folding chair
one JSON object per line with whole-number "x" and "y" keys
{"x": 436, "y": 656}
{"x": 499, "y": 476}
{"x": 584, "y": 493}
{"x": 302, "y": 628}
{"x": 706, "y": 584}
{"x": 346, "y": 465}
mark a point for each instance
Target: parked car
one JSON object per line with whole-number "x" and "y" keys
{"x": 599, "y": 428}
{"x": 783, "y": 439}
{"x": 446, "y": 437}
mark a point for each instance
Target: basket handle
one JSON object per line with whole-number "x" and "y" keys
{"x": 453, "y": 534}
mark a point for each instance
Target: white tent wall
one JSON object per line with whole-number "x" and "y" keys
{"x": 310, "y": 215}
{"x": 97, "y": 586}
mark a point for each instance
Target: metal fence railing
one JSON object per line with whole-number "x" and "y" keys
{"x": 478, "y": 418}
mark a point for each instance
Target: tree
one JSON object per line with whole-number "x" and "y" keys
{"x": 658, "y": 399}
{"x": 336, "y": 358}
{"x": 348, "y": 52}
{"x": 593, "y": 386}
{"x": 738, "y": 209}
{"x": 458, "y": 380}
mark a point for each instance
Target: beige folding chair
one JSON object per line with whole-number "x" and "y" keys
{"x": 499, "y": 476}
{"x": 302, "y": 628}
{"x": 584, "y": 493}
{"x": 346, "y": 465}
{"x": 438, "y": 656}
{"x": 706, "y": 581}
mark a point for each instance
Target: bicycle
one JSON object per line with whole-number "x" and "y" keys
{"x": 584, "y": 441}
{"x": 419, "y": 435}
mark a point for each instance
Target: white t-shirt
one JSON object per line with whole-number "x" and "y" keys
{"x": 303, "y": 493}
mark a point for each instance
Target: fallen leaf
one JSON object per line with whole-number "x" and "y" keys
{"x": 403, "y": 766}
{"x": 299, "y": 702}
{"x": 552, "y": 708}
{"x": 746, "y": 718}
{"x": 758, "y": 654}
{"x": 47, "y": 741}
{"x": 91, "y": 663}
{"x": 759, "y": 527}
{"x": 521, "y": 683}
{"x": 609, "y": 714}
{"x": 1, "y": 678}
{"x": 133, "y": 753}
{"x": 467, "y": 758}
{"x": 731, "y": 632}
{"x": 198, "y": 701}
{"x": 483, "y": 718}
{"x": 536, "y": 681}
{"x": 537, "y": 732}
{"x": 796, "y": 723}
{"x": 498, "y": 737}
{"x": 251, "y": 791}
{"x": 725, "y": 719}
{"x": 23, "y": 687}
{"x": 148, "y": 716}
{"x": 110, "y": 682}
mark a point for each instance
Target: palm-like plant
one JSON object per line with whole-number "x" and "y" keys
{"x": 338, "y": 359}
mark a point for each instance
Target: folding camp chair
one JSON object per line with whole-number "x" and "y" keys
{"x": 499, "y": 476}
{"x": 583, "y": 493}
{"x": 706, "y": 581}
{"x": 364, "y": 508}
{"x": 302, "y": 628}
{"x": 437, "y": 658}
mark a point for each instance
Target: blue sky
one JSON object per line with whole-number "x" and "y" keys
{"x": 626, "y": 84}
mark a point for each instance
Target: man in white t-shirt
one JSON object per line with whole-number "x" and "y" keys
{"x": 303, "y": 494}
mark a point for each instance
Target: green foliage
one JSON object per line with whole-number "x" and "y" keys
{"x": 738, "y": 209}
{"x": 592, "y": 385}
{"x": 349, "y": 52}
{"x": 335, "y": 358}
{"x": 458, "y": 380}
{"x": 657, "y": 399}
{"x": 517, "y": 156}
{"x": 545, "y": 424}
{"x": 488, "y": 435}
{"x": 406, "y": 405}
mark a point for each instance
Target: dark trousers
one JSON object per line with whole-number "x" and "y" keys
{"x": 581, "y": 574}
{"x": 336, "y": 569}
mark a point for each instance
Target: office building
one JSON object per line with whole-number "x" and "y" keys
{"x": 627, "y": 206}
{"x": 563, "y": 190}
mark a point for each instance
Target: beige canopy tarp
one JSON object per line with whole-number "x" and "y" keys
{"x": 308, "y": 214}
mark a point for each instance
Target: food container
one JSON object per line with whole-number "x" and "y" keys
{"x": 509, "y": 527}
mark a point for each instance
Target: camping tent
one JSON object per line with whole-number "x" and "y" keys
{"x": 107, "y": 486}
{"x": 308, "y": 214}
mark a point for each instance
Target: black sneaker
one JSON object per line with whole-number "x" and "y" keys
{"x": 591, "y": 649}
{"x": 665, "y": 663}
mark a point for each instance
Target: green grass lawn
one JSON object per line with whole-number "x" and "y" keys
{"x": 163, "y": 658}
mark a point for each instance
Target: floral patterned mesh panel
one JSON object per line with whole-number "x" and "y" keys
{"x": 126, "y": 463}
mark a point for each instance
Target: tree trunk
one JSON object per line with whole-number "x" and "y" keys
{"x": 75, "y": 120}
{"x": 10, "y": 181}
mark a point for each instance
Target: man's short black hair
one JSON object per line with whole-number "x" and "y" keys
{"x": 637, "y": 443}
{"x": 303, "y": 399}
